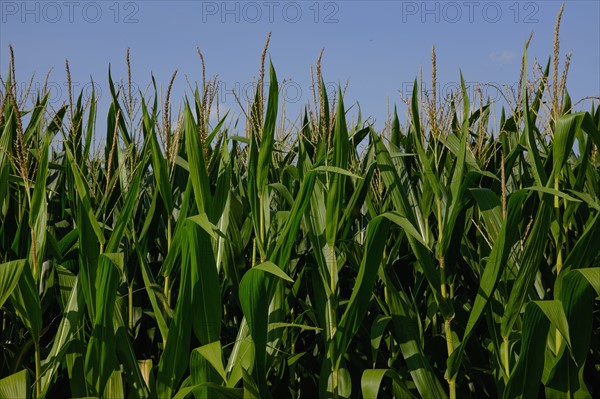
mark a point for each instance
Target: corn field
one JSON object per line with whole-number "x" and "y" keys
{"x": 450, "y": 255}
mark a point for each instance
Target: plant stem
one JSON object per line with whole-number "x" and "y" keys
{"x": 331, "y": 300}
{"x": 504, "y": 355}
{"x": 254, "y": 252}
{"x": 334, "y": 381}
{"x": 559, "y": 255}
{"x": 446, "y": 296}
{"x": 167, "y": 288}
{"x": 38, "y": 370}
{"x": 559, "y": 261}
{"x": 332, "y": 268}
{"x": 34, "y": 268}
{"x": 262, "y": 230}
{"x": 448, "y": 329}
{"x": 130, "y": 306}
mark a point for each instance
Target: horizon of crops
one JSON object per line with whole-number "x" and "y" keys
{"x": 444, "y": 258}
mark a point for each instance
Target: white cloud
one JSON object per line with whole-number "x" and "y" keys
{"x": 502, "y": 58}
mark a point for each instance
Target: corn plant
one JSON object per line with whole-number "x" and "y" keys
{"x": 442, "y": 257}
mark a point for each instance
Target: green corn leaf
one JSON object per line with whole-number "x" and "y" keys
{"x": 38, "y": 214}
{"x": 26, "y": 301}
{"x": 242, "y": 356}
{"x": 255, "y": 305}
{"x": 334, "y": 383}
{"x": 530, "y": 263}
{"x": 418, "y": 141}
{"x": 149, "y": 284}
{"x": 214, "y": 355}
{"x": 336, "y": 170}
{"x": 377, "y": 330}
{"x": 363, "y": 289}
{"x": 89, "y": 134}
{"x": 564, "y": 136}
{"x": 537, "y": 166}
{"x": 585, "y": 197}
{"x": 174, "y": 359}
{"x": 159, "y": 163}
{"x": 10, "y": 274}
{"x": 337, "y": 181}
{"x": 197, "y": 164}
{"x": 455, "y": 216}
{"x": 399, "y": 197}
{"x": 202, "y": 371}
{"x": 226, "y": 393}
{"x": 554, "y": 192}
{"x": 371, "y": 382}
{"x": 101, "y": 359}
{"x": 114, "y": 386}
{"x": 101, "y": 352}
{"x": 489, "y": 205}
{"x": 16, "y": 385}
{"x": 406, "y": 332}
{"x": 253, "y": 195}
{"x": 267, "y": 138}
{"x": 592, "y": 275}
{"x": 590, "y": 127}
{"x": 405, "y": 224}
{"x": 274, "y": 326}
{"x": 251, "y": 389}
{"x": 179, "y": 234}
{"x": 69, "y": 324}
{"x": 115, "y": 103}
{"x": 525, "y": 381}
{"x": 284, "y": 192}
{"x": 553, "y": 309}
{"x": 6, "y": 144}
{"x": 492, "y": 272}
{"x": 222, "y": 206}
{"x": 205, "y": 285}
{"x": 217, "y": 129}
{"x": 84, "y": 198}
{"x": 270, "y": 267}
{"x": 131, "y": 372}
{"x": 34, "y": 127}
{"x": 585, "y": 250}
{"x": 202, "y": 221}
{"x": 453, "y": 143}
{"x": 88, "y": 259}
{"x": 459, "y": 169}
{"x": 396, "y": 133}
{"x": 282, "y": 251}
{"x": 577, "y": 297}
{"x": 356, "y": 201}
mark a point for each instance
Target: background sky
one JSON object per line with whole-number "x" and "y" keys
{"x": 377, "y": 46}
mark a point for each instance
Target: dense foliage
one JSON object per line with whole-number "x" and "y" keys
{"x": 446, "y": 257}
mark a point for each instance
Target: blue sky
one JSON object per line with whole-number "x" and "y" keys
{"x": 378, "y": 46}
